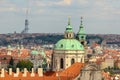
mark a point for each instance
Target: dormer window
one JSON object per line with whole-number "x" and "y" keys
{"x": 72, "y": 46}
{"x": 61, "y": 45}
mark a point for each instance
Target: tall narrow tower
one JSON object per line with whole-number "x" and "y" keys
{"x": 26, "y": 23}
{"x": 81, "y": 36}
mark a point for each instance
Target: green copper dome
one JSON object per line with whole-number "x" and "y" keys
{"x": 9, "y": 46}
{"x": 34, "y": 52}
{"x": 68, "y": 44}
{"x": 43, "y": 53}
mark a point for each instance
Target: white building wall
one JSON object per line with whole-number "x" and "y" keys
{"x": 78, "y": 56}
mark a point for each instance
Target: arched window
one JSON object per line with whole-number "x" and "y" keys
{"x": 55, "y": 63}
{"x": 81, "y": 59}
{"x": 67, "y": 35}
{"x": 61, "y": 63}
{"x": 72, "y": 61}
{"x": 82, "y": 42}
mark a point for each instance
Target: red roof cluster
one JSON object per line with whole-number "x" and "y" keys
{"x": 69, "y": 73}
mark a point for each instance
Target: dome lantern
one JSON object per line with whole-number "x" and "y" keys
{"x": 69, "y": 32}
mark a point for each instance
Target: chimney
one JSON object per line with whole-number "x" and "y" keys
{"x": 40, "y": 71}
{"x": 25, "y": 72}
{"x": 10, "y": 71}
{"x": 2, "y": 73}
{"x": 32, "y": 73}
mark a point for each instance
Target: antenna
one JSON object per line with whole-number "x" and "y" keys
{"x": 25, "y": 30}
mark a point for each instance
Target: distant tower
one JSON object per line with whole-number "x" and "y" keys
{"x": 81, "y": 36}
{"x": 26, "y": 23}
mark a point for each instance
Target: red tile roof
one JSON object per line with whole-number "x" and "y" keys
{"x": 69, "y": 73}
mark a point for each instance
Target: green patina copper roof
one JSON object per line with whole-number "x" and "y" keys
{"x": 68, "y": 44}
{"x": 44, "y": 61}
{"x": 43, "y": 53}
{"x": 81, "y": 29}
{"x": 9, "y": 46}
{"x": 34, "y": 52}
{"x": 69, "y": 27}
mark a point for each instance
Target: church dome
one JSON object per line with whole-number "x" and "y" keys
{"x": 43, "y": 53}
{"x": 34, "y": 52}
{"x": 68, "y": 44}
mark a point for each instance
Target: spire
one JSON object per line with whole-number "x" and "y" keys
{"x": 69, "y": 20}
{"x": 81, "y": 28}
{"x": 81, "y": 21}
{"x": 81, "y": 34}
{"x": 26, "y": 13}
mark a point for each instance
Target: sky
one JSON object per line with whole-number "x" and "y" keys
{"x": 51, "y": 16}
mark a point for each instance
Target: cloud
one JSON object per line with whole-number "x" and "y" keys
{"x": 39, "y": 11}
{"x": 52, "y": 3}
{"x": 83, "y": 2}
{"x": 42, "y": 6}
{"x": 7, "y": 9}
{"x": 101, "y": 9}
{"x": 117, "y": 12}
{"x": 7, "y": 6}
{"x": 37, "y": 3}
{"x": 64, "y": 2}
{"x": 94, "y": 12}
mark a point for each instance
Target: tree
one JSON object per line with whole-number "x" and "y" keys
{"x": 11, "y": 61}
{"x": 25, "y": 64}
{"x": 44, "y": 65}
{"x": 11, "y": 64}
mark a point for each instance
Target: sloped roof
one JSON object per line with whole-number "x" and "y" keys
{"x": 69, "y": 73}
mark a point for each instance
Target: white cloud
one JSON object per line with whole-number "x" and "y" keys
{"x": 62, "y": 2}
{"x": 37, "y": 3}
{"x": 52, "y": 3}
{"x": 83, "y": 2}
{"x": 101, "y": 9}
{"x": 39, "y": 11}
{"x": 7, "y": 6}
{"x": 7, "y": 9}
{"x": 117, "y": 12}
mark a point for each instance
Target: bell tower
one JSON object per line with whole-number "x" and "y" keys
{"x": 81, "y": 36}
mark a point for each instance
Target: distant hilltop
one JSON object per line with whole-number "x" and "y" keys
{"x": 52, "y": 38}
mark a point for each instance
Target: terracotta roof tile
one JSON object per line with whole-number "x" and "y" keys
{"x": 69, "y": 73}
